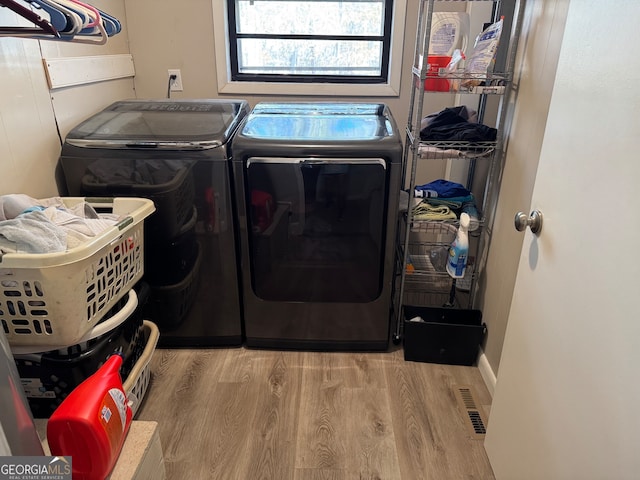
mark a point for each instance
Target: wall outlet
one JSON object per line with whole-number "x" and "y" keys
{"x": 176, "y": 85}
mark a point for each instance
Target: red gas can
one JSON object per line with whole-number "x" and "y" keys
{"x": 90, "y": 425}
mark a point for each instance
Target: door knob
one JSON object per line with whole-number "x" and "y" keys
{"x": 533, "y": 221}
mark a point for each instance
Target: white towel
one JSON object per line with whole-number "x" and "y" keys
{"x": 77, "y": 228}
{"x": 14, "y": 204}
{"x": 48, "y": 230}
{"x": 32, "y": 232}
{"x": 431, "y": 152}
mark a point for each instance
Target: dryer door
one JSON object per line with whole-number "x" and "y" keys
{"x": 316, "y": 228}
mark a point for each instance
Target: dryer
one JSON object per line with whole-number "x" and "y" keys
{"x": 317, "y": 188}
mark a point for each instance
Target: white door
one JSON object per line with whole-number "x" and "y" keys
{"x": 567, "y": 399}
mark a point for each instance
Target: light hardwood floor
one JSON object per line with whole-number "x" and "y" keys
{"x": 243, "y": 414}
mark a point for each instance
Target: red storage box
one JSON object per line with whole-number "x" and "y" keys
{"x": 437, "y": 84}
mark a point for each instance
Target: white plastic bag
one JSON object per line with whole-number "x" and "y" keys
{"x": 481, "y": 60}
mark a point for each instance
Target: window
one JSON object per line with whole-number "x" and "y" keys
{"x": 283, "y": 46}
{"x": 310, "y": 40}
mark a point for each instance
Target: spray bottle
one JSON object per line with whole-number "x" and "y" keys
{"x": 459, "y": 249}
{"x": 90, "y": 425}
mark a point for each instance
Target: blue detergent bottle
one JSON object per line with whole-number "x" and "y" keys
{"x": 459, "y": 249}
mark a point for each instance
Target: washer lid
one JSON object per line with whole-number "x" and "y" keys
{"x": 168, "y": 124}
{"x": 334, "y": 122}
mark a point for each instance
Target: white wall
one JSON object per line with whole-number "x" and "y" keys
{"x": 29, "y": 140}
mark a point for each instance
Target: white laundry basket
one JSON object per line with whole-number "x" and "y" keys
{"x": 137, "y": 382}
{"x": 56, "y": 298}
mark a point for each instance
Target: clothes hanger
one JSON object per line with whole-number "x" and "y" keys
{"x": 101, "y": 33}
{"x": 97, "y": 24}
{"x": 83, "y": 13}
{"x": 33, "y": 17}
{"x": 76, "y": 34}
{"x": 112, "y": 24}
{"x": 66, "y": 21}
{"x": 72, "y": 20}
{"x": 101, "y": 37}
{"x": 94, "y": 13}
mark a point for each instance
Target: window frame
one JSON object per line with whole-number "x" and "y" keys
{"x": 309, "y": 86}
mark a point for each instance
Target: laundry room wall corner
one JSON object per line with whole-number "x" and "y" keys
{"x": 34, "y": 119}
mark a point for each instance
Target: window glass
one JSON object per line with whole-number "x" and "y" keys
{"x": 310, "y": 17}
{"x": 310, "y": 40}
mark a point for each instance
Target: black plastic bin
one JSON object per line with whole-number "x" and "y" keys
{"x": 167, "y": 263}
{"x": 446, "y": 335}
{"x": 168, "y": 305}
{"x": 49, "y": 377}
{"x": 171, "y": 187}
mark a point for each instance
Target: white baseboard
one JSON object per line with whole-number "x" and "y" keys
{"x": 487, "y": 373}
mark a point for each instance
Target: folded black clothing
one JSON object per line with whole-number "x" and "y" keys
{"x": 449, "y": 126}
{"x": 448, "y": 116}
{"x": 463, "y": 132}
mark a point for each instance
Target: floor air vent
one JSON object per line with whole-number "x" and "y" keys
{"x": 474, "y": 416}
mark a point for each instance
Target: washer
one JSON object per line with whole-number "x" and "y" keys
{"x": 177, "y": 153}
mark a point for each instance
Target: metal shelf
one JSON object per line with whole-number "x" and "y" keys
{"x": 446, "y": 148}
{"x": 493, "y": 83}
{"x": 419, "y": 282}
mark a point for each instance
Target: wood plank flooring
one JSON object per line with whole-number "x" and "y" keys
{"x": 243, "y": 414}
